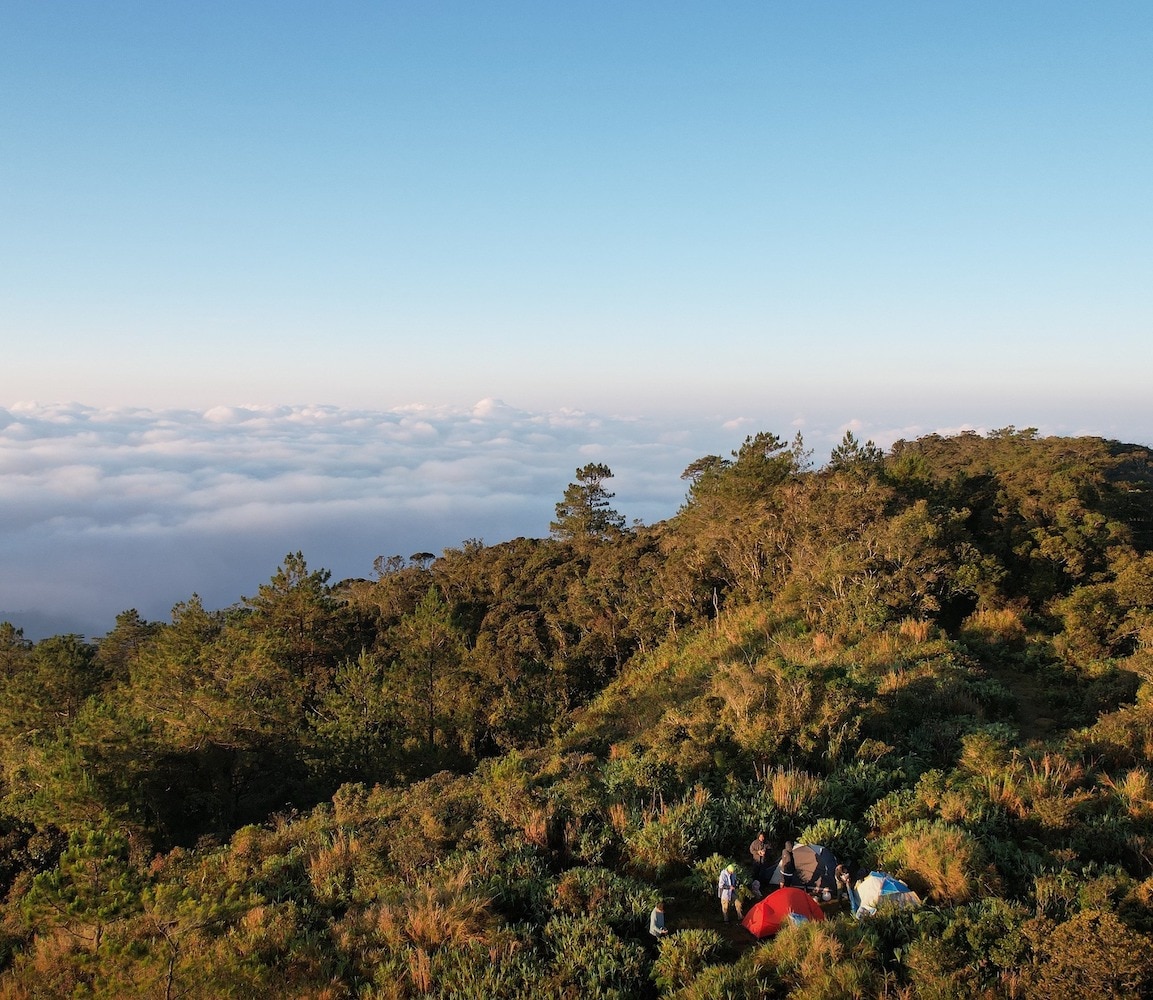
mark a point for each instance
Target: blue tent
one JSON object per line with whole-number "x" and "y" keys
{"x": 877, "y": 891}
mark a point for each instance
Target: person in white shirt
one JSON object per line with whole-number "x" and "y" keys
{"x": 727, "y": 892}
{"x": 657, "y": 921}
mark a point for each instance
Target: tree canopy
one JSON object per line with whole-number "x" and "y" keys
{"x": 586, "y": 513}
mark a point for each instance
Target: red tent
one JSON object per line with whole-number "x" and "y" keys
{"x": 767, "y": 916}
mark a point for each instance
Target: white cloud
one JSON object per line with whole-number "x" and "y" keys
{"x": 116, "y": 508}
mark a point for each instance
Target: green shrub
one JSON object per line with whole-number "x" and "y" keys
{"x": 844, "y": 839}
{"x": 518, "y": 883}
{"x": 588, "y": 960}
{"x": 476, "y": 972}
{"x": 682, "y": 957}
{"x": 703, "y": 877}
{"x": 849, "y": 791}
{"x": 615, "y": 899}
{"x": 735, "y": 817}
{"x": 662, "y": 847}
{"x": 1092, "y": 955}
{"x": 940, "y": 861}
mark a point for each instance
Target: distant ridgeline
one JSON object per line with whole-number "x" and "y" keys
{"x": 476, "y": 774}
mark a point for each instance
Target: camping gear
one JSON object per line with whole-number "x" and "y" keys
{"x": 877, "y": 891}
{"x": 778, "y": 908}
{"x": 814, "y": 868}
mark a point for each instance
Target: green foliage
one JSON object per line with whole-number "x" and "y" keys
{"x": 587, "y": 960}
{"x": 840, "y": 836}
{"x": 355, "y": 724}
{"x": 702, "y": 880}
{"x": 1091, "y": 954}
{"x": 471, "y": 972}
{"x": 45, "y": 685}
{"x": 617, "y": 900}
{"x": 851, "y": 455}
{"x": 474, "y": 775}
{"x": 853, "y": 787}
{"x": 430, "y": 651}
{"x": 585, "y": 512}
{"x": 734, "y": 817}
{"x": 92, "y": 886}
{"x": 683, "y": 956}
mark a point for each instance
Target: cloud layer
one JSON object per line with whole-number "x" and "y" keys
{"x": 107, "y": 509}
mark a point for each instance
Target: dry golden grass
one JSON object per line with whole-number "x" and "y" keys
{"x": 823, "y": 643}
{"x": 1054, "y": 772}
{"x": 536, "y": 825}
{"x": 332, "y": 866}
{"x": 792, "y": 789}
{"x": 1049, "y": 790}
{"x": 880, "y": 647}
{"x": 618, "y": 817}
{"x": 1051, "y": 787}
{"x": 874, "y": 750}
{"x": 742, "y": 691}
{"x": 420, "y": 970}
{"x": 1003, "y": 790}
{"x": 810, "y": 649}
{"x": 436, "y": 915}
{"x": 916, "y": 629}
{"x": 995, "y": 626}
{"x": 982, "y": 755}
{"x": 954, "y": 806}
{"x": 268, "y": 929}
{"x": 904, "y": 675}
{"x": 699, "y": 797}
{"x": 941, "y": 862}
{"x": 52, "y": 951}
{"x": 255, "y": 918}
{"x": 1059, "y": 813}
{"x": 1135, "y": 790}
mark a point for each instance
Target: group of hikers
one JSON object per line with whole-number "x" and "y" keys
{"x": 765, "y": 873}
{"x": 768, "y": 873}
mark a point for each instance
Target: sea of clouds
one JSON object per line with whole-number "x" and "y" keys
{"x": 110, "y": 509}
{"x": 107, "y": 509}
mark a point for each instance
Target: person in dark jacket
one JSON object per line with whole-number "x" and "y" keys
{"x": 788, "y": 868}
{"x": 757, "y": 850}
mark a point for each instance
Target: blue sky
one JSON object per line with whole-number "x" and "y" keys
{"x": 695, "y": 219}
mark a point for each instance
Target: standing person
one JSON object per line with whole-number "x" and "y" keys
{"x": 844, "y": 885}
{"x": 788, "y": 868}
{"x": 727, "y": 892}
{"x": 757, "y": 849}
{"x": 657, "y": 921}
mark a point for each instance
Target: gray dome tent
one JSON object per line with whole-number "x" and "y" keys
{"x": 815, "y": 867}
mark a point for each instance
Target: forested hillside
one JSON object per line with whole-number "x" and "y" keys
{"x": 474, "y": 775}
